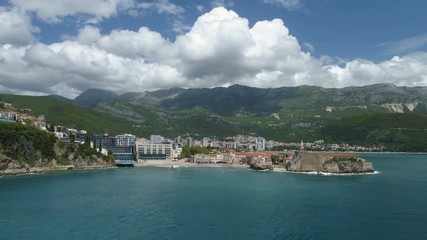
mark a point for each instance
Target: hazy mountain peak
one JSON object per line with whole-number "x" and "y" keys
{"x": 92, "y": 96}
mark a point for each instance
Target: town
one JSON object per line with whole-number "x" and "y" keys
{"x": 128, "y": 150}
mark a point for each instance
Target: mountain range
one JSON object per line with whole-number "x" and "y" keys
{"x": 385, "y": 114}
{"x": 243, "y": 99}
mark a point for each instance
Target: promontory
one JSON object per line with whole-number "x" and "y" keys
{"x": 329, "y": 162}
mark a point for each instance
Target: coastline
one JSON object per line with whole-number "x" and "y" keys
{"x": 163, "y": 164}
{"x": 45, "y": 170}
{"x": 149, "y": 163}
{"x": 327, "y": 174}
{"x": 180, "y": 163}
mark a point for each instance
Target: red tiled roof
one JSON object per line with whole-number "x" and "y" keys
{"x": 252, "y": 154}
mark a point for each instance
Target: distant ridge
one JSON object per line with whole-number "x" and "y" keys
{"x": 380, "y": 114}
{"x": 91, "y": 97}
{"x": 239, "y": 98}
{"x": 64, "y": 99}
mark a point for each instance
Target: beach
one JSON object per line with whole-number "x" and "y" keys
{"x": 183, "y": 163}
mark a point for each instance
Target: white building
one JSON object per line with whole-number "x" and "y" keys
{"x": 189, "y": 141}
{"x": 206, "y": 142}
{"x": 125, "y": 140}
{"x": 176, "y": 152}
{"x": 156, "y": 139}
{"x": 146, "y": 150}
{"x": 260, "y": 144}
{"x": 269, "y": 144}
{"x": 62, "y": 136}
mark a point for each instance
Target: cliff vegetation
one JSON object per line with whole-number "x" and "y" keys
{"x": 26, "y": 149}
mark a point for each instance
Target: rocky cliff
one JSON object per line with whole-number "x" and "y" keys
{"x": 67, "y": 157}
{"x": 25, "y": 149}
{"x": 329, "y": 162}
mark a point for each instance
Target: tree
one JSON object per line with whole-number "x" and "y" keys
{"x": 51, "y": 127}
{"x": 275, "y": 159}
{"x": 72, "y": 137}
{"x": 186, "y": 152}
{"x": 198, "y": 149}
{"x": 87, "y": 141}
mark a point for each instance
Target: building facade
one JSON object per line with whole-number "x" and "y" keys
{"x": 123, "y": 156}
{"x": 260, "y": 144}
{"x": 156, "y": 139}
{"x": 125, "y": 140}
{"x": 146, "y": 150}
{"x": 206, "y": 142}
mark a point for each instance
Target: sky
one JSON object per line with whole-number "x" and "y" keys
{"x": 65, "y": 47}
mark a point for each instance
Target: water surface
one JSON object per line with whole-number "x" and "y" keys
{"x": 218, "y": 203}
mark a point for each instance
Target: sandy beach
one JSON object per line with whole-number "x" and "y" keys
{"x": 182, "y": 163}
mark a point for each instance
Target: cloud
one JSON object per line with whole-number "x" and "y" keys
{"x": 16, "y": 28}
{"x": 405, "y": 45}
{"x": 220, "y": 49}
{"x": 88, "y": 35}
{"x": 94, "y": 11}
{"x": 222, "y": 3}
{"x": 70, "y": 67}
{"x": 166, "y": 7}
{"x": 200, "y": 8}
{"x": 213, "y": 47}
{"x": 162, "y": 7}
{"x": 145, "y": 44}
{"x": 55, "y": 10}
{"x": 410, "y": 70}
{"x": 309, "y": 47}
{"x": 288, "y": 4}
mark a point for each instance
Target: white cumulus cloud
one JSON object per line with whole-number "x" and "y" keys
{"x": 409, "y": 70}
{"x": 55, "y": 10}
{"x": 88, "y": 35}
{"x": 220, "y": 49}
{"x": 16, "y": 28}
{"x": 142, "y": 44}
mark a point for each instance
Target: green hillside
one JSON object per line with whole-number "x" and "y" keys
{"x": 23, "y": 147}
{"x": 23, "y": 143}
{"x": 70, "y": 115}
{"x": 356, "y": 115}
{"x": 398, "y": 132}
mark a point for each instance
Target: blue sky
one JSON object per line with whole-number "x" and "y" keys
{"x": 67, "y": 46}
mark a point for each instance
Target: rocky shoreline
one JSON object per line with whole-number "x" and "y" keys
{"x": 334, "y": 163}
{"x": 305, "y": 164}
{"x": 153, "y": 163}
{"x": 182, "y": 163}
{"x": 45, "y": 170}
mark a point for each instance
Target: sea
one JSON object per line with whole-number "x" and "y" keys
{"x": 218, "y": 203}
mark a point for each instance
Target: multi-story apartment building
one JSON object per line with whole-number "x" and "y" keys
{"x": 156, "y": 139}
{"x": 125, "y": 140}
{"x": 123, "y": 149}
{"x": 206, "y": 142}
{"x": 147, "y": 150}
{"x": 260, "y": 144}
{"x": 189, "y": 141}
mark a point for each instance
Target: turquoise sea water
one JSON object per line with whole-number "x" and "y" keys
{"x": 218, "y": 203}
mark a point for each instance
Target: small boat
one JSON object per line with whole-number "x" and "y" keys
{"x": 174, "y": 167}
